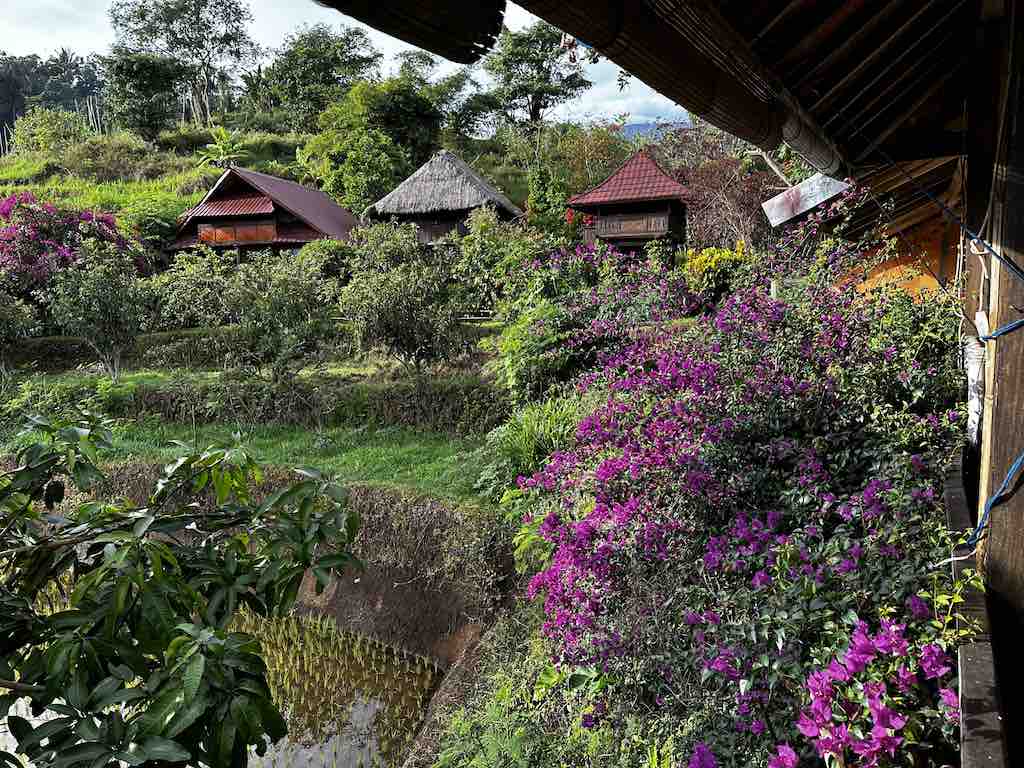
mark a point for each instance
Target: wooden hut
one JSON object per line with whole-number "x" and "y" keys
{"x": 637, "y": 203}
{"x": 439, "y": 196}
{"x": 251, "y": 210}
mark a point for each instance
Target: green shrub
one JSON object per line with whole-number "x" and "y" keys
{"x": 152, "y": 217}
{"x": 491, "y": 255}
{"x": 224, "y": 149}
{"x": 199, "y": 348}
{"x": 407, "y": 311}
{"x": 16, "y": 322}
{"x": 49, "y": 130}
{"x": 101, "y": 300}
{"x": 57, "y": 398}
{"x": 710, "y": 272}
{"x": 282, "y": 305}
{"x": 263, "y": 146}
{"x": 120, "y": 156}
{"x": 384, "y": 245}
{"x": 27, "y": 167}
{"x": 184, "y": 139}
{"x": 458, "y": 405}
{"x": 194, "y": 292}
{"x": 334, "y": 255}
{"x": 536, "y": 431}
{"x": 355, "y": 167}
{"x": 531, "y": 356}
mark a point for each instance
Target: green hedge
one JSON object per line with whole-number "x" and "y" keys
{"x": 465, "y": 405}
{"x": 195, "y": 347}
{"x": 462, "y": 406}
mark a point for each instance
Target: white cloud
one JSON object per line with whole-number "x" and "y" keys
{"x": 45, "y": 26}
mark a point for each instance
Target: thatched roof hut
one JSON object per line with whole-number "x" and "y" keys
{"x": 439, "y": 196}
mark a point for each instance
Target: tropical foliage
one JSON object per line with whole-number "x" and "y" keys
{"x": 123, "y": 637}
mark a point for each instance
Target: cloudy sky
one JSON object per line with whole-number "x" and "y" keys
{"x": 45, "y": 26}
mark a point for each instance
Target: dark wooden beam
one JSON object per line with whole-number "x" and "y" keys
{"x": 829, "y": 96}
{"x": 837, "y": 54}
{"x": 1003, "y": 427}
{"x": 883, "y": 92}
{"x": 906, "y": 114}
{"x": 791, "y": 6}
{"x": 918, "y": 145}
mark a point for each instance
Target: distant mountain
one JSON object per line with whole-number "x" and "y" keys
{"x": 635, "y": 130}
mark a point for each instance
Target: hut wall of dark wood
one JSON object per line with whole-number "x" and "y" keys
{"x": 633, "y": 224}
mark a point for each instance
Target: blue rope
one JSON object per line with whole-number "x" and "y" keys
{"x": 1009, "y": 327}
{"x": 1001, "y": 496}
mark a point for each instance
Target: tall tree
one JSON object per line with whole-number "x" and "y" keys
{"x": 463, "y": 106}
{"x": 315, "y": 68}
{"x": 18, "y": 79}
{"x": 533, "y": 73}
{"x": 205, "y": 36}
{"x": 141, "y": 90}
{"x": 68, "y": 79}
{"x": 395, "y": 108}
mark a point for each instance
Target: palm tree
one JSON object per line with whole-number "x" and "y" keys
{"x": 225, "y": 150}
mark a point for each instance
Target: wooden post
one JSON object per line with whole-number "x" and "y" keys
{"x": 1003, "y": 435}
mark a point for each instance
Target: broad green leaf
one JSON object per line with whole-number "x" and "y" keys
{"x": 193, "y": 676}
{"x": 157, "y": 748}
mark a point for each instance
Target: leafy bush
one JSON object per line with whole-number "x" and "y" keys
{"x": 335, "y": 256}
{"x": 27, "y": 167}
{"x": 491, "y": 256}
{"x": 282, "y": 305}
{"x": 576, "y": 305}
{"x": 194, "y": 292}
{"x": 225, "y": 148}
{"x": 102, "y": 300}
{"x": 153, "y": 632}
{"x": 384, "y": 245}
{"x": 120, "y": 156}
{"x": 153, "y": 217}
{"x": 711, "y": 271}
{"x": 184, "y": 138}
{"x": 49, "y": 130}
{"x": 355, "y": 167}
{"x": 408, "y": 311}
{"x": 16, "y": 322}
{"x": 533, "y": 433}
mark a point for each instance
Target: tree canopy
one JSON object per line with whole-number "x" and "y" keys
{"x": 203, "y": 35}
{"x": 532, "y": 73}
{"x": 315, "y": 68}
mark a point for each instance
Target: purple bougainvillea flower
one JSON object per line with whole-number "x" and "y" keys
{"x": 951, "y": 703}
{"x": 702, "y": 757}
{"x": 918, "y": 608}
{"x": 934, "y": 661}
{"x": 785, "y": 757}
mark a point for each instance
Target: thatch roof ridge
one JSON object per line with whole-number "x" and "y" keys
{"x": 445, "y": 182}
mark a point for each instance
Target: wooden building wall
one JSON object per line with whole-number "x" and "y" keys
{"x": 927, "y": 258}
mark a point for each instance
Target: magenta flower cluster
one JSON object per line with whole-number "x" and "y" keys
{"x": 38, "y": 239}
{"x": 731, "y": 506}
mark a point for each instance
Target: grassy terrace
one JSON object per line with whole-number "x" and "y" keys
{"x": 429, "y": 463}
{"x": 440, "y": 465}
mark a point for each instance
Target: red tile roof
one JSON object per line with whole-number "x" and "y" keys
{"x": 239, "y": 205}
{"x": 640, "y": 178}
